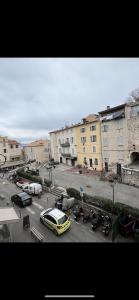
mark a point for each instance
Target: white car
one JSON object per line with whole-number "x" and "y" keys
{"x": 21, "y": 183}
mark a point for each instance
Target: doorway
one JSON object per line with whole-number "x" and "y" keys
{"x": 72, "y": 162}
{"x": 90, "y": 161}
{"x": 106, "y": 167}
{"x": 61, "y": 160}
{"x": 119, "y": 169}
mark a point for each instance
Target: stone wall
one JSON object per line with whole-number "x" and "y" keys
{"x": 130, "y": 177}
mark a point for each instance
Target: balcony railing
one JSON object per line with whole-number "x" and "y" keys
{"x": 67, "y": 144}
{"x": 66, "y": 154}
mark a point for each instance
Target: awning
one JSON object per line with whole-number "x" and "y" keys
{"x": 11, "y": 164}
{"x": 8, "y": 215}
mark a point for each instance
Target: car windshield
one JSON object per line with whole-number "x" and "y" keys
{"x": 63, "y": 220}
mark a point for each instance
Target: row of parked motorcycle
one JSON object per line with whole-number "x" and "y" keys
{"x": 96, "y": 219}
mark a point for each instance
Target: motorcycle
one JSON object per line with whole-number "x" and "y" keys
{"x": 99, "y": 220}
{"x": 77, "y": 213}
{"x": 88, "y": 216}
{"x": 107, "y": 227}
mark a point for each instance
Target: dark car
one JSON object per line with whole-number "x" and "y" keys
{"x": 126, "y": 226}
{"x": 33, "y": 172}
{"x": 22, "y": 199}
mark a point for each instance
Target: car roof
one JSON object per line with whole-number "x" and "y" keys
{"x": 56, "y": 213}
{"x": 22, "y": 194}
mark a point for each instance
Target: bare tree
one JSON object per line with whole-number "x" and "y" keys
{"x": 135, "y": 94}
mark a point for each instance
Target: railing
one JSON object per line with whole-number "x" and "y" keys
{"x": 67, "y": 144}
{"x": 66, "y": 154}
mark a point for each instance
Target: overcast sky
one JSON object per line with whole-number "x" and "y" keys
{"x": 38, "y": 95}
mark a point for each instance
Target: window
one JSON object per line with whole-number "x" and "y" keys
{"x": 83, "y": 149}
{"x": 71, "y": 130}
{"x": 11, "y": 146}
{"x": 94, "y": 148}
{"x": 63, "y": 219}
{"x": 105, "y": 142}
{"x": 67, "y": 140}
{"x": 83, "y": 140}
{"x": 59, "y": 150}
{"x": 82, "y": 129}
{"x": 59, "y": 141}
{"x": 120, "y": 155}
{"x": 120, "y": 140}
{"x": 96, "y": 161}
{"x": 105, "y": 128}
{"x": 72, "y": 151}
{"x": 135, "y": 111}
{"x": 4, "y": 150}
{"x": 16, "y": 146}
{"x": 93, "y": 127}
{"x": 71, "y": 139}
{"x": 93, "y": 138}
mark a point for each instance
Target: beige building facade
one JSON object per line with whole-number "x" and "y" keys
{"x": 11, "y": 149}
{"x": 38, "y": 150}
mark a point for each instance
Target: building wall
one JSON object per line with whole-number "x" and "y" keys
{"x": 59, "y": 138}
{"x": 39, "y": 152}
{"x": 11, "y": 153}
{"x": 86, "y": 149}
{"x": 132, "y": 114}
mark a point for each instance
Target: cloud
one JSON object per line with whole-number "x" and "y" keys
{"x": 38, "y": 95}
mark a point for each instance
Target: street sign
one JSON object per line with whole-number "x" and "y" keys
{"x": 81, "y": 189}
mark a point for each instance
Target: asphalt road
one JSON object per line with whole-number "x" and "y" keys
{"x": 123, "y": 193}
{"x": 78, "y": 232}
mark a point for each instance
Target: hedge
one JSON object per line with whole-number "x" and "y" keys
{"x": 105, "y": 203}
{"x": 33, "y": 178}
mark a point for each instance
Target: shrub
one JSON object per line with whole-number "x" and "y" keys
{"x": 29, "y": 176}
{"x": 79, "y": 166}
{"x": 105, "y": 203}
{"x": 47, "y": 182}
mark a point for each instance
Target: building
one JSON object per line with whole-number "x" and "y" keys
{"x": 114, "y": 137}
{"x": 38, "y": 150}
{"x": 78, "y": 144}
{"x": 64, "y": 145}
{"x": 11, "y": 149}
{"x": 88, "y": 135}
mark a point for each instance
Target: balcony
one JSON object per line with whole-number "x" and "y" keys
{"x": 67, "y": 144}
{"x": 74, "y": 156}
{"x": 66, "y": 155}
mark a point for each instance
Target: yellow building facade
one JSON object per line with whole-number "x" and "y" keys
{"x": 88, "y": 137}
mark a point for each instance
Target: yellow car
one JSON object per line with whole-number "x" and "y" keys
{"x": 55, "y": 219}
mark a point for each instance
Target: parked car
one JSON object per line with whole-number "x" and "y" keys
{"x": 21, "y": 182}
{"x": 126, "y": 225}
{"x": 55, "y": 219}
{"x": 32, "y": 188}
{"x": 33, "y": 172}
{"x": 22, "y": 199}
{"x": 136, "y": 230}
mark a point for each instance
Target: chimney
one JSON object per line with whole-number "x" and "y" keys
{"x": 108, "y": 107}
{"x": 84, "y": 121}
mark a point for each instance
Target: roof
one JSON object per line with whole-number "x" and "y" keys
{"x": 37, "y": 143}
{"x": 112, "y": 109}
{"x": 90, "y": 118}
{"x": 8, "y": 215}
{"x": 13, "y": 142}
{"x": 56, "y": 213}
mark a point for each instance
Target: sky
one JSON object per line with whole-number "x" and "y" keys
{"x": 38, "y": 95}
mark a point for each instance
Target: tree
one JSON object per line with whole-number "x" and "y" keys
{"x": 135, "y": 94}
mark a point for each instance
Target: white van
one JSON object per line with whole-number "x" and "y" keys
{"x": 32, "y": 188}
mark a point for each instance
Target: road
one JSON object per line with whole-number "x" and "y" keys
{"x": 123, "y": 193}
{"x": 77, "y": 233}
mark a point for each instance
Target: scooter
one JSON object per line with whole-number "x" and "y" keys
{"x": 98, "y": 221}
{"x": 87, "y": 217}
{"x": 107, "y": 227}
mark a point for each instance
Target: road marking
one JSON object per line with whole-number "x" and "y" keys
{"x": 30, "y": 210}
{"x": 77, "y": 223}
{"x": 37, "y": 205}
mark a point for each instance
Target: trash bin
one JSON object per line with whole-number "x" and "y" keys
{"x": 26, "y": 221}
